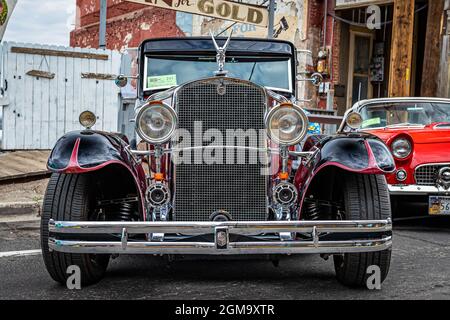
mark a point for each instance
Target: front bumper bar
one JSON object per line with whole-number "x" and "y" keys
{"x": 406, "y": 190}
{"x": 379, "y": 230}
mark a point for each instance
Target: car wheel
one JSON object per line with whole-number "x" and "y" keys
{"x": 366, "y": 197}
{"x": 70, "y": 197}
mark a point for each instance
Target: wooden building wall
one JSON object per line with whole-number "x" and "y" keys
{"x": 37, "y": 110}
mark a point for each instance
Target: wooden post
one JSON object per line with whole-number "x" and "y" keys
{"x": 402, "y": 49}
{"x": 444, "y": 74}
{"x": 431, "y": 65}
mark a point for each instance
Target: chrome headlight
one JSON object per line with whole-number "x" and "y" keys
{"x": 156, "y": 122}
{"x": 354, "y": 120}
{"x": 401, "y": 148}
{"x": 287, "y": 124}
{"x": 87, "y": 119}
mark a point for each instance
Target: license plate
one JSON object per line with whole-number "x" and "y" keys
{"x": 439, "y": 205}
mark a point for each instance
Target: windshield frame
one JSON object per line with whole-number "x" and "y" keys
{"x": 284, "y": 90}
{"x": 359, "y": 106}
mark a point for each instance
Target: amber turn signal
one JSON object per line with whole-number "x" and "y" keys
{"x": 159, "y": 176}
{"x": 283, "y": 175}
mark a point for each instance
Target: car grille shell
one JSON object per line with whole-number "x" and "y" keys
{"x": 426, "y": 175}
{"x": 237, "y": 186}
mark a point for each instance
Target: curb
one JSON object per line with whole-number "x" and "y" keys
{"x": 20, "y": 208}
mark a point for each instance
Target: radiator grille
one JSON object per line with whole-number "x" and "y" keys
{"x": 235, "y": 184}
{"x": 426, "y": 175}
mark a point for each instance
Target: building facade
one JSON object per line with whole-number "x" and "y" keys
{"x": 384, "y": 48}
{"x": 128, "y": 24}
{"x": 363, "y": 48}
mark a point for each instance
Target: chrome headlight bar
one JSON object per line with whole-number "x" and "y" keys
{"x": 307, "y": 155}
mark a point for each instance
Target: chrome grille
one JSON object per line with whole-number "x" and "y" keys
{"x": 239, "y": 188}
{"x": 426, "y": 175}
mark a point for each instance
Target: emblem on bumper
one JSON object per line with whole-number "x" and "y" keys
{"x": 221, "y": 238}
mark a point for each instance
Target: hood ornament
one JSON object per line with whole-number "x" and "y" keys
{"x": 221, "y": 54}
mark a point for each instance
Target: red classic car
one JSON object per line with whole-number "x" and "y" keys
{"x": 417, "y": 131}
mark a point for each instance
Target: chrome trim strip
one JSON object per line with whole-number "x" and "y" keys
{"x": 275, "y": 247}
{"x": 433, "y": 164}
{"x": 235, "y": 227}
{"x": 416, "y": 190}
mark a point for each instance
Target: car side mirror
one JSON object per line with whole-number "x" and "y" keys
{"x": 316, "y": 79}
{"x": 121, "y": 81}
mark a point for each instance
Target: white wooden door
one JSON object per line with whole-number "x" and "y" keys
{"x": 40, "y": 109}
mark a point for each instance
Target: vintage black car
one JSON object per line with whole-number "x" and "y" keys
{"x": 218, "y": 129}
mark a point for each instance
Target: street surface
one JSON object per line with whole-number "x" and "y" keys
{"x": 420, "y": 269}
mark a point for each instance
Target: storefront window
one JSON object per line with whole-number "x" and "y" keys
{"x": 362, "y": 54}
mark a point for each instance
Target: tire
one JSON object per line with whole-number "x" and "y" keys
{"x": 70, "y": 197}
{"x": 366, "y": 197}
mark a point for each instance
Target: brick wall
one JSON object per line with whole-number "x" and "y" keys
{"x": 316, "y": 35}
{"x": 128, "y": 24}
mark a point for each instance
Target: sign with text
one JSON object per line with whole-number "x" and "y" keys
{"x": 222, "y": 9}
{"x": 345, "y": 4}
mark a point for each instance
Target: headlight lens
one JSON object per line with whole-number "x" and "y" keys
{"x": 156, "y": 122}
{"x": 401, "y": 148}
{"x": 286, "y": 124}
{"x": 354, "y": 120}
{"x": 87, "y": 119}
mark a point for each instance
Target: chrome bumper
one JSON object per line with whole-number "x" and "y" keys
{"x": 221, "y": 231}
{"x": 398, "y": 190}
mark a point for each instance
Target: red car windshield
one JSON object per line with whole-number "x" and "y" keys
{"x": 404, "y": 114}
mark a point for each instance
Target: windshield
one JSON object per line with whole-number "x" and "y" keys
{"x": 404, "y": 113}
{"x": 165, "y": 72}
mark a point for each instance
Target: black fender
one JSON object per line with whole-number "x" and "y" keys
{"x": 352, "y": 152}
{"x": 88, "y": 150}
{"x": 78, "y": 152}
{"x": 358, "y": 152}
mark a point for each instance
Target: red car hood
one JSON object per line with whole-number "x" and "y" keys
{"x": 428, "y": 134}
{"x": 431, "y": 143}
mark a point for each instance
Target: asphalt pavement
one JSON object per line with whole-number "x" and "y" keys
{"x": 420, "y": 269}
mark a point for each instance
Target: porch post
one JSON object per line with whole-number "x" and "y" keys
{"x": 402, "y": 49}
{"x": 433, "y": 41}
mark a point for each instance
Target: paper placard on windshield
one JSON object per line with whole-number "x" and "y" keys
{"x": 166, "y": 81}
{"x": 371, "y": 122}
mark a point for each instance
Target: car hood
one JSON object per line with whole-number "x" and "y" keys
{"x": 431, "y": 144}
{"x": 424, "y": 135}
